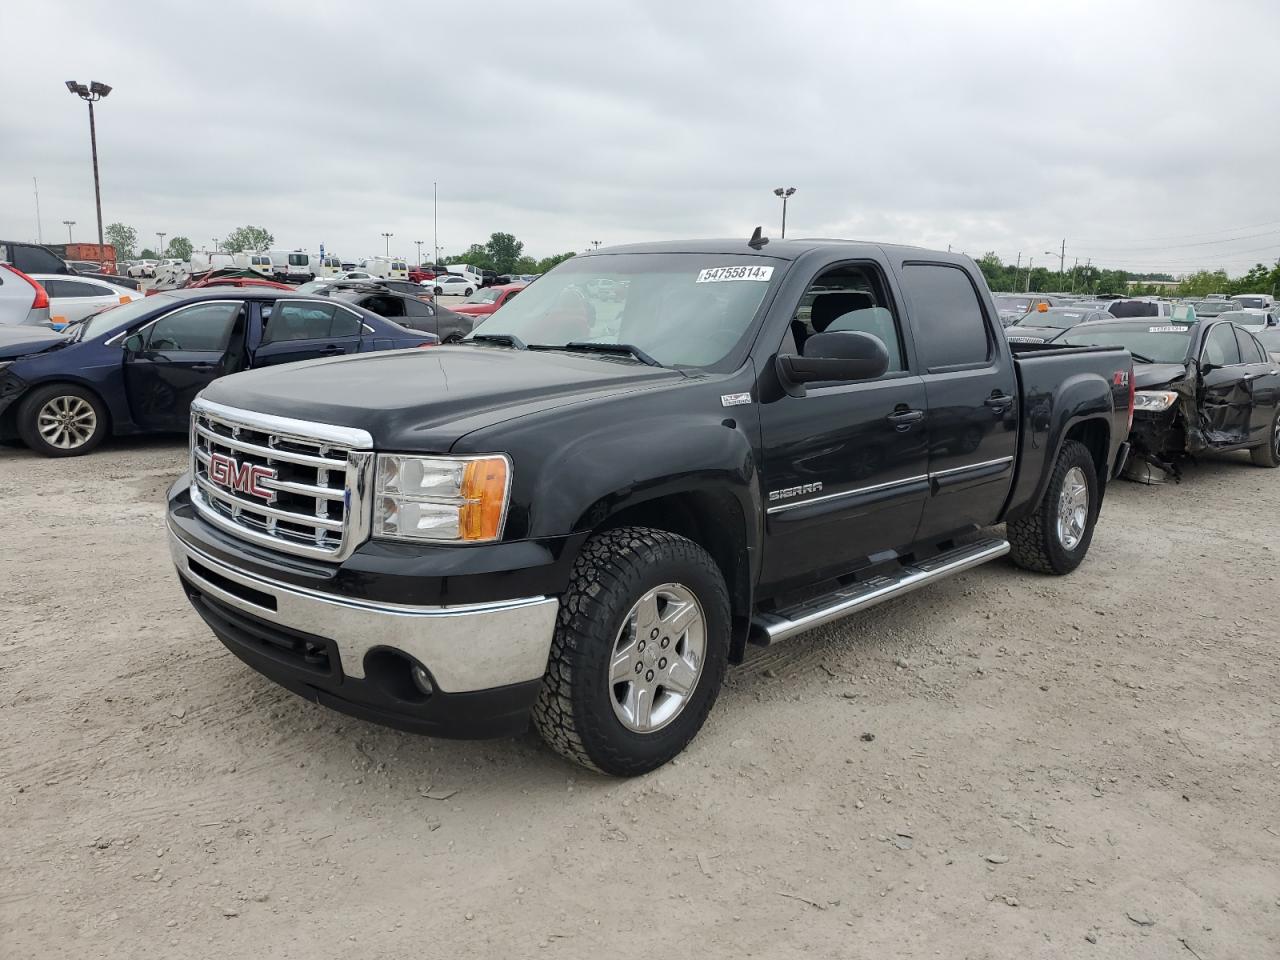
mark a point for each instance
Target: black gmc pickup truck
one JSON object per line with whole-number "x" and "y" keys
{"x": 587, "y": 510}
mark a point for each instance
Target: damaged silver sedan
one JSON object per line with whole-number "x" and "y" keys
{"x": 1199, "y": 387}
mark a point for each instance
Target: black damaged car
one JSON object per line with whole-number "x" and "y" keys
{"x": 1200, "y": 387}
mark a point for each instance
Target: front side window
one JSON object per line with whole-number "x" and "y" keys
{"x": 417, "y": 308}
{"x": 950, "y": 327}
{"x": 299, "y": 320}
{"x": 201, "y": 327}
{"x": 1220, "y": 348}
{"x": 851, "y": 298}
{"x": 682, "y": 309}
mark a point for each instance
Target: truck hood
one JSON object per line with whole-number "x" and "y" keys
{"x": 426, "y": 399}
{"x": 1148, "y": 375}
{"x": 23, "y": 341}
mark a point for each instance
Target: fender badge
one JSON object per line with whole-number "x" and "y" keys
{"x": 734, "y": 399}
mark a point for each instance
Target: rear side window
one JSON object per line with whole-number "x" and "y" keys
{"x": 304, "y": 320}
{"x": 1250, "y": 350}
{"x": 76, "y": 288}
{"x": 947, "y": 316}
{"x": 30, "y": 259}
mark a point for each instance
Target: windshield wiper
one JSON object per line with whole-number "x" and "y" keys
{"x": 590, "y": 346}
{"x": 1141, "y": 358}
{"x": 505, "y": 339}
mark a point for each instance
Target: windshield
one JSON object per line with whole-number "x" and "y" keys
{"x": 487, "y": 295}
{"x": 1244, "y": 319}
{"x": 1013, "y": 304}
{"x": 1253, "y": 303}
{"x": 681, "y": 309}
{"x": 1158, "y": 343}
{"x": 1210, "y": 308}
{"x": 113, "y": 318}
{"x": 1058, "y": 319}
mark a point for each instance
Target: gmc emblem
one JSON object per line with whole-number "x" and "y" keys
{"x": 241, "y": 477}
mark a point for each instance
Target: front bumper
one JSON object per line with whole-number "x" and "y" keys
{"x": 484, "y": 661}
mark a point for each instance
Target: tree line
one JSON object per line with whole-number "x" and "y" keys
{"x": 1009, "y": 277}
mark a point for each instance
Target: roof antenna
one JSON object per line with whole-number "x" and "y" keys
{"x": 757, "y": 240}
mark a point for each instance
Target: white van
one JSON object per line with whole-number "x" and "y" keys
{"x": 388, "y": 268}
{"x": 295, "y": 265}
{"x": 466, "y": 270}
{"x": 260, "y": 263}
{"x": 328, "y": 267}
{"x": 1254, "y": 301}
{"x": 200, "y": 261}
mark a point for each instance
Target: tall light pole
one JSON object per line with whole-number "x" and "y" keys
{"x": 35, "y": 185}
{"x": 418, "y": 244}
{"x": 435, "y": 226}
{"x": 595, "y": 244}
{"x": 1062, "y": 257}
{"x": 68, "y": 224}
{"x": 161, "y": 236}
{"x": 91, "y": 95}
{"x": 1030, "y": 265}
{"x": 215, "y": 245}
{"x": 387, "y": 237}
{"x": 785, "y": 193}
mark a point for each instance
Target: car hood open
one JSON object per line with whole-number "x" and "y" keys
{"x": 426, "y": 399}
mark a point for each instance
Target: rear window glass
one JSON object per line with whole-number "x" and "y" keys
{"x": 298, "y": 259}
{"x": 1134, "y": 308}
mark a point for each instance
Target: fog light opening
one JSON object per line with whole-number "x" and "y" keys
{"x": 422, "y": 680}
{"x": 398, "y": 675}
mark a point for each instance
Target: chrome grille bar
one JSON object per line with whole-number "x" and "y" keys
{"x": 318, "y": 477}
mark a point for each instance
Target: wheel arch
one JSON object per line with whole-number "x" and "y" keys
{"x": 53, "y": 381}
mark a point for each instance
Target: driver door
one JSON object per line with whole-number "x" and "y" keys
{"x": 1226, "y": 402}
{"x": 177, "y": 356}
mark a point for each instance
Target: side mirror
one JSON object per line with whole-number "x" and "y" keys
{"x": 133, "y": 343}
{"x": 838, "y": 355}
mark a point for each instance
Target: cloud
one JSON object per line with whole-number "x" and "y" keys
{"x": 987, "y": 126}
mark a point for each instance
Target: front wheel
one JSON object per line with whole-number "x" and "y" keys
{"x": 467, "y": 292}
{"x": 62, "y": 420}
{"x": 438, "y": 290}
{"x": 1056, "y": 537}
{"x": 1268, "y": 455}
{"x": 639, "y": 653}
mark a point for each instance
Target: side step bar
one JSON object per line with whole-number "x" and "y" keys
{"x": 768, "y": 628}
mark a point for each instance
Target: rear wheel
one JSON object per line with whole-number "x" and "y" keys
{"x": 439, "y": 290}
{"x": 639, "y": 654}
{"x": 1268, "y": 455}
{"x": 1056, "y": 537}
{"x": 467, "y": 292}
{"x": 62, "y": 420}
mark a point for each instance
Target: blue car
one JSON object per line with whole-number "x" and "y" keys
{"x": 136, "y": 368}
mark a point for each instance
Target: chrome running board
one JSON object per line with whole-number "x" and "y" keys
{"x": 768, "y": 628}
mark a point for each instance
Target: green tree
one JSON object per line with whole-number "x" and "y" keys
{"x": 504, "y": 250}
{"x": 477, "y": 255}
{"x": 547, "y": 263}
{"x": 148, "y": 254}
{"x": 249, "y": 238}
{"x": 123, "y": 238}
{"x": 180, "y": 247}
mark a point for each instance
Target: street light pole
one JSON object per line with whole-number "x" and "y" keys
{"x": 785, "y": 193}
{"x": 161, "y": 236}
{"x": 215, "y": 245}
{"x": 68, "y": 224}
{"x": 387, "y": 237}
{"x": 1030, "y": 264}
{"x": 91, "y": 94}
{"x": 435, "y": 226}
{"x": 418, "y": 244}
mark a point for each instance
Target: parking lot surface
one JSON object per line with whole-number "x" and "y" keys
{"x": 1002, "y": 765}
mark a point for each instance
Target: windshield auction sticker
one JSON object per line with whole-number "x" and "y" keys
{"x": 718, "y": 274}
{"x": 1166, "y": 329}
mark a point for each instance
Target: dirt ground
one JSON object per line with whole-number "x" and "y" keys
{"x": 1077, "y": 767}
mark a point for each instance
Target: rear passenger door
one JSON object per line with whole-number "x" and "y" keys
{"x": 1226, "y": 405}
{"x": 1263, "y": 384}
{"x": 292, "y": 330}
{"x": 972, "y": 395}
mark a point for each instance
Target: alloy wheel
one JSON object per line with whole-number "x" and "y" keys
{"x": 657, "y": 658}
{"x": 67, "y": 422}
{"x": 1073, "y": 508}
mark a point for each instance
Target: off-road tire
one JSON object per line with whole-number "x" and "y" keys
{"x": 573, "y": 713}
{"x": 29, "y": 409}
{"x": 1268, "y": 455}
{"x": 1033, "y": 540}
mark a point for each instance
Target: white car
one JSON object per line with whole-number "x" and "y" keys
{"x": 142, "y": 268}
{"x": 357, "y": 275}
{"x": 23, "y": 300}
{"x": 1255, "y": 321}
{"x": 450, "y": 285}
{"x": 73, "y": 298}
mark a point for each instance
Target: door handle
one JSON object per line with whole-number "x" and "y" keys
{"x": 203, "y": 367}
{"x": 998, "y": 401}
{"x": 903, "y": 419}
{"x": 331, "y": 348}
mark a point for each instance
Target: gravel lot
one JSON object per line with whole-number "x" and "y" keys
{"x": 1076, "y": 767}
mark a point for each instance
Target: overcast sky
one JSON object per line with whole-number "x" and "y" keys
{"x": 1146, "y": 134}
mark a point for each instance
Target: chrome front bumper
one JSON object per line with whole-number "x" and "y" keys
{"x": 464, "y": 648}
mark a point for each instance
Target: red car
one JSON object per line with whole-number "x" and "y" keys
{"x": 418, "y": 274}
{"x": 484, "y": 301}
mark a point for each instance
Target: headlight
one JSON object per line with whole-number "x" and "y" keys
{"x": 441, "y": 499}
{"x": 1154, "y": 401}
